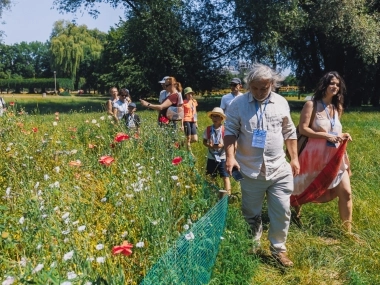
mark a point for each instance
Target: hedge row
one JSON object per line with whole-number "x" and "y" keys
{"x": 39, "y": 83}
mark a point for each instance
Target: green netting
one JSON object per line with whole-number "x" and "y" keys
{"x": 191, "y": 258}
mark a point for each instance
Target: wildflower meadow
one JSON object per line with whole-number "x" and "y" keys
{"x": 84, "y": 201}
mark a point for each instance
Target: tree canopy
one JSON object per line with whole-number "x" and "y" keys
{"x": 193, "y": 39}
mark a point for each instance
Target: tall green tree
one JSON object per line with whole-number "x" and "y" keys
{"x": 316, "y": 36}
{"x": 71, "y": 45}
{"x": 25, "y": 60}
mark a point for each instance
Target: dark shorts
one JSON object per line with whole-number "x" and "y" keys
{"x": 190, "y": 128}
{"x": 213, "y": 168}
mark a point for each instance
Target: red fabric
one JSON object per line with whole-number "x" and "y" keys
{"x": 320, "y": 184}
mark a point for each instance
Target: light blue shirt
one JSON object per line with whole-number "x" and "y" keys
{"x": 242, "y": 121}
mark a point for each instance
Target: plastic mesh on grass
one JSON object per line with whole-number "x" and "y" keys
{"x": 190, "y": 260}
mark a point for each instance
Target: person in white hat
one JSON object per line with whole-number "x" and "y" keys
{"x": 163, "y": 93}
{"x": 213, "y": 139}
{"x": 260, "y": 121}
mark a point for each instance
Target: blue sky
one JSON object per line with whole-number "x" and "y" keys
{"x": 32, "y": 20}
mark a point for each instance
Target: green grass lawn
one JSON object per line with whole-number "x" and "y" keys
{"x": 322, "y": 253}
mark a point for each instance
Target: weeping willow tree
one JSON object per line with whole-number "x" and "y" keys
{"x": 71, "y": 45}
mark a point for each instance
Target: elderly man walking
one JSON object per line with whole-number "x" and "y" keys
{"x": 260, "y": 122}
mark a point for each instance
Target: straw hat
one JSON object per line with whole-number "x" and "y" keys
{"x": 217, "y": 111}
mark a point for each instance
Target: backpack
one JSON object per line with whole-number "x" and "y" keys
{"x": 208, "y": 132}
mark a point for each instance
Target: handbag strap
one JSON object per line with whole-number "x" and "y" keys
{"x": 313, "y": 113}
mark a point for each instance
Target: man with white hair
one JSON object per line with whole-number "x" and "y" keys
{"x": 260, "y": 122}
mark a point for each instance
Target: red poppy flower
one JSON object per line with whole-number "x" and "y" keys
{"x": 176, "y": 144}
{"x": 19, "y": 124}
{"x": 11, "y": 103}
{"x": 121, "y": 137}
{"x": 124, "y": 249}
{"x": 72, "y": 129}
{"x": 164, "y": 120}
{"x": 177, "y": 160}
{"x": 35, "y": 130}
{"x": 91, "y": 145}
{"x": 106, "y": 160}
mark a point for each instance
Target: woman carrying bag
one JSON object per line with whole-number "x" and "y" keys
{"x": 170, "y": 110}
{"x": 325, "y": 168}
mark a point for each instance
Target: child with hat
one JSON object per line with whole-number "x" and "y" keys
{"x": 189, "y": 121}
{"x": 216, "y": 157}
{"x": 132, "y": 120}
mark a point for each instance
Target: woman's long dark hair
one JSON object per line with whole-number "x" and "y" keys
{"x": 322, "y": 85}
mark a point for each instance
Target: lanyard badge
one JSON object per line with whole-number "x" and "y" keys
{"x": 259, "y": 135}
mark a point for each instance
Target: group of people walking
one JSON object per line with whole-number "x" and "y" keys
{"x": 247, "y": 136}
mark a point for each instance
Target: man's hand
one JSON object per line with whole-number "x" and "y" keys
{"x": 230, "y": 164}
{"x": 295, "y": 165}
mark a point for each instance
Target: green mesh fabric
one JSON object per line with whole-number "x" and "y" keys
{"x": 190, "y": 260}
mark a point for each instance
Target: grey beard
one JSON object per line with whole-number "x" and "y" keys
{"x": 261, "y": 100}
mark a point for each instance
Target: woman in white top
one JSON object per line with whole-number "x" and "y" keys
{"x": 120, "y": 107}
{"x": 325, "y": 168}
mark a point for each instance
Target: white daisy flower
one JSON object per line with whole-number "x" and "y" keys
{"x": 68, "y": 256}
{"x": 65, "y": 215}
{"x": 93, "y": 121}
{"x": 140, "y": 244}
{"x": 22, "y": 220}
{"x": 102, "y": 118}
{"x": 100, "y": 259}
{"x": 81, "y": 228}
{"x": 189, "y": 236}
{"x": 71, "y": 275}
{"x": 38, "y": 268}
{"x": 99, "y": 246}
{"x": 23, "y": 262}
{"x": 55, "y": 124}
{"x": 46, "y": 177}
{"x": 186, "y": 227}
{"x": 175, "y": 177}
{"x": 8, "y": 280}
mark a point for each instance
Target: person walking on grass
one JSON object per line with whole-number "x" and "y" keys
{"x": 189, "y": 121}
{"x": 325, "y": 168}
{"x": 235, "y": 85}
{"x": 213, "y": 139}
{"x": 260, "y": 122}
